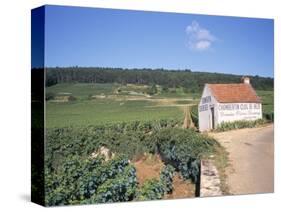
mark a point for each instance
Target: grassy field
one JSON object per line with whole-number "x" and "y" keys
{"x": 81, "y": 90}
{"x": 110, "y": 103}
{"x": 267, "y": 101}
{"x": 105, "y": 111}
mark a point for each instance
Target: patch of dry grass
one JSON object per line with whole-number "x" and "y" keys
{"x": 222, "y": 162}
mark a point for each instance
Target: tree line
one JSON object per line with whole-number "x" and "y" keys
{"x": 191, "y": 81}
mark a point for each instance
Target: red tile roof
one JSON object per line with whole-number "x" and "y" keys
{"x": 234, "y": 93}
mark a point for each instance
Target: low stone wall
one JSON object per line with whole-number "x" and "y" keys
{"x": 209, "y": 180}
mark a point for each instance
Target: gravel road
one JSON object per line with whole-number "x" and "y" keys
{"x": 251, "y": 155}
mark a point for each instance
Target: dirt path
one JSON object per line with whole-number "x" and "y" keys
{"x": 251, "y": 155}
{"x": 150, "y": 166}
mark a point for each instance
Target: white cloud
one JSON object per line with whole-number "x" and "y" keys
{"x": 198, "y": 37}
{"x": 202, "y": 45}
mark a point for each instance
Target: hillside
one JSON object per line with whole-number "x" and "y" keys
{"x": 189, "y": 80}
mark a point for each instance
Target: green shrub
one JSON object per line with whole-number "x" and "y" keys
{"x": 72, "y": 98}
{"x": 194, "y": 115}
{"x": 50, "y": 96}
{"x": 166, "y": 177}
{"x": 152, "y": 90}
{"x": 152, "y": 189}
{"x": 183, "y": 149}
{"x": 72, "y": 177}
{"x": 119, "y": 189}
{"x": 165, "y": 88}
{"x": 225, "y": 126}
{"x": 91, "y": 97}
{"x": 131, "y": 139}
{"x": 269, "y": 116}
{"x": 80, "y": 180}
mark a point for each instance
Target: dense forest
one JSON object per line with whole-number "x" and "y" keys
{"x": 192, "y": 81}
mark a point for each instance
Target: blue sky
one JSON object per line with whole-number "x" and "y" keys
{"x": 137, "y": 39}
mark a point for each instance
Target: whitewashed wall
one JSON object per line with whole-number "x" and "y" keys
{"x": 204, "y": 112}
{"x": 224, "y": 112}
{"x": 228, "y": 112}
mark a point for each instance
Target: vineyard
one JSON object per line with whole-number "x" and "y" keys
{"x": 76, "y": 173}
{"x": 94, "y": 142}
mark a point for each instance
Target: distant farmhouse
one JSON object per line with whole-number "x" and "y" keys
{"x": 228, "y": 102}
